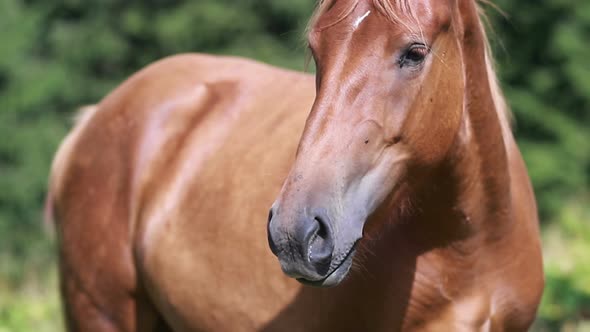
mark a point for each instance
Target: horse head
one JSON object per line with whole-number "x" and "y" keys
{"x": 388, "y": 108}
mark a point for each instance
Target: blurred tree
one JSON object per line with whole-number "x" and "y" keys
{"x": 59, "y": 55}
{"x": 545, "y": 71}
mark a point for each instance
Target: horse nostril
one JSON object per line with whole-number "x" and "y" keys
{"x": 271, "y": 242}
{"x": 321, "y": 246}
{"x": 322, "y": 228}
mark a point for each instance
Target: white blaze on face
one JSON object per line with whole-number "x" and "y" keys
{"x": 360, "y": 19}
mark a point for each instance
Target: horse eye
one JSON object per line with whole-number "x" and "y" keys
{"x": 414, "y": 55}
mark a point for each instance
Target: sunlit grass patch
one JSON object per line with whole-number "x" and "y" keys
{"x": 33, "y": 306}
{"x": 566, "y": 251}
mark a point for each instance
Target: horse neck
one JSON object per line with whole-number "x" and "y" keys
{"x": 468, "y": 197}
{"x": 483, "y": 153}
{"x": 476, "y": 174}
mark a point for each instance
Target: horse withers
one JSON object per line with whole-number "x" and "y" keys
{"x": 405, "y": 203}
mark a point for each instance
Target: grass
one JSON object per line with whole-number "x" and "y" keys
{"x": 31, "y": 306}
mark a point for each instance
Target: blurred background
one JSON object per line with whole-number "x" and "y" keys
{"x": 58, "y": 55}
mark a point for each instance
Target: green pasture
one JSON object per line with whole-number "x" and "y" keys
{"x": 58, "y": 55}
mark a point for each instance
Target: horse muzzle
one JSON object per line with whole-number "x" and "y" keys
{"x": 309, "y": 247}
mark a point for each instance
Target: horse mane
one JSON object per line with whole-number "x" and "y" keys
{"x": 391, "y": 9}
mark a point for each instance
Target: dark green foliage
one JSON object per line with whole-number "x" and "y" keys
{"x": 543, "y": 54}
{"x": 56, "y": 56}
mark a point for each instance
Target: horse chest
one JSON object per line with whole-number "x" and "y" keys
{"x": 223, "y": 295}
{"x": 467, "y": 313}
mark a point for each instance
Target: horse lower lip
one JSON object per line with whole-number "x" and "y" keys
{"x": 309, "y": 282}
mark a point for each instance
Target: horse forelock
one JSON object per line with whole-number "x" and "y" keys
{"x": 394, "y": 10}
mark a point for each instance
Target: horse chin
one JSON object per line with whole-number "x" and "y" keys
{"x": 336, "y": 276}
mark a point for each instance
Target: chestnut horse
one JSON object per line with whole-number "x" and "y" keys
{"x": 402, "y": 187}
